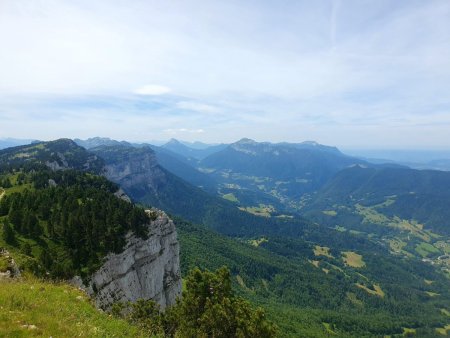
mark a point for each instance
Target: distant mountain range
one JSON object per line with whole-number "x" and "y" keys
{"x": 196, "y": 150}
{"x": 322, "y": 240}
{"x": 263, "y": 186}
{"x": 284, "y": 171}
{"x": 139, "y": 173}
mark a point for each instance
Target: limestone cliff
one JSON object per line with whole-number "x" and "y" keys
{"x": 136, "y": 170}
{"x": 146, "y": 269}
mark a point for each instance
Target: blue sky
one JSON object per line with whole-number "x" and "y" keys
{"x": 361, "y": 74}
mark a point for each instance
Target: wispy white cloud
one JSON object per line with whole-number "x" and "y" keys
{"x": 152, "y": 90}
{"x": 198, "y": 107}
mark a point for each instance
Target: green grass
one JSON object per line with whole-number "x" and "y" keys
{"x": 425, "y": 249}
{"x": 19, "y": 188}
{"x": 432, "y": 294}
{"x": 35, "y": 308}
{"x": 329, "y": 212}
{"x": 262, "y": 210}
{"x": 322, "y": 251}
{"x": 377, "y": 291}
{"x": 444, "y": 330}
{"x": 370, "y": 215}
{"x": 258, "y": 241}
{"x": 328, "y": 328}
{"x": 4, "y": 264}
{"x": 408, "y": 331}
{"x": 354, "y": 299}
{"x": 230, "y": 197}
{"x": 397, "y": 245}
{"x": 353, "y": 259}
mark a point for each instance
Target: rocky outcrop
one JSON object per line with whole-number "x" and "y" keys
{"x": 135, "y": 170}
{"x": 121, "y": 194}
{"x": 138, "y": 173}
{"x": 146, "y": 269}
{"x": 11, "y": 270}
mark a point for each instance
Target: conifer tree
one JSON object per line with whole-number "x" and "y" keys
{"x": 8, "y": 233}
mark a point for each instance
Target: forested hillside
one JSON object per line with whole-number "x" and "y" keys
{"x": 62, "y": 222}
{"x": 413, "y": 194}
{"x": 311, "y": 290}
{"x": 139, "y": 173}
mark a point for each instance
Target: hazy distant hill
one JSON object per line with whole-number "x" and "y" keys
{"x": 98, "y": 141}
{"x": 184, "y": 168}
{"x": 199, "y": 145}
{"x": 307, "y": 161}
{"x": 422, "y": 195}
{"x": 13, "y": 142}
{"x": 416, "y": 159}
{"x": 282, "y": 172}
{"x": 196, "y": 150}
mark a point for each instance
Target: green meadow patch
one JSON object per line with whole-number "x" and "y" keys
{"x": 408, "y": 331}
{"x": 425, "y": 249}
{"x": 322, "y": 251}
{"x": 230, "y": 197}
{"x": 261, "y": 210}
{"x": 443, "y": 330}
{"x": 353, "y": 259}
{"x": 257, "y": 242}
{"x": 376, "y": 291}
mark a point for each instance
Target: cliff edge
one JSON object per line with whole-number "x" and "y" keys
{"x": 145, "y": 269}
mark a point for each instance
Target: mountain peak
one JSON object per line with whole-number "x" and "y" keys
{"x": 246, "y": 140}
{"x": 97, "y": 141}
{"x": 311, "y": 143}
{"x": 173, "y": 141}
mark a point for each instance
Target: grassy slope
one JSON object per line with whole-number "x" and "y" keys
{"x": 41, "y": 309}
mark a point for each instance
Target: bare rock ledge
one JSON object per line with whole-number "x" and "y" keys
{"x": 146, "y": 269}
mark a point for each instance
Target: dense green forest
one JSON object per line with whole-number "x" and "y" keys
{"x": 73, "y": 218}
{"x": 414, "y": 194}
{"x": 308, "y": 295}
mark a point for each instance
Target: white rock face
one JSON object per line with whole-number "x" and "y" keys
{"x": 146, "y": 269}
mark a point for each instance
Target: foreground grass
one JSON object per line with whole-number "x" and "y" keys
{"x": 41, "y": 309}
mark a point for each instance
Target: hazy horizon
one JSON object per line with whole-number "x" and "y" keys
{"x": 351, "y": 74}
{"x": 434, "y": 153}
